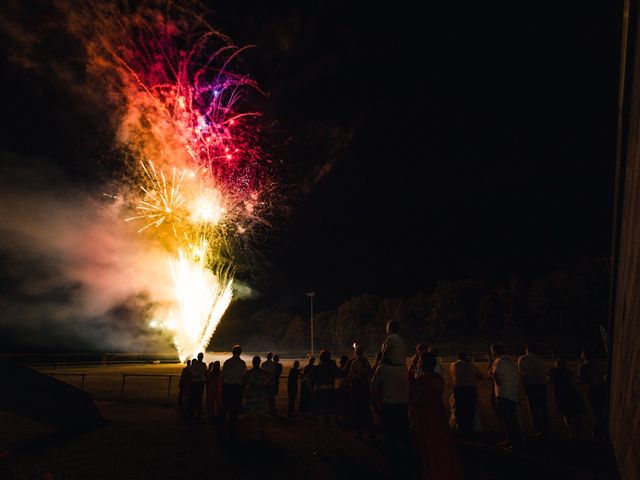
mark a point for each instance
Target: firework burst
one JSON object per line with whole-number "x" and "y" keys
{"x": 200, "y": 170}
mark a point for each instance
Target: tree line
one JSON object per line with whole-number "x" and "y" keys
{"x": 562, "y": 312}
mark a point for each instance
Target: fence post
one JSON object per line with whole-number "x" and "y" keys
{"x": 169, "y": 387}
{"x": 124, "y": 376}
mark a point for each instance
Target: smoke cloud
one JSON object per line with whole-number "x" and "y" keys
{"x": 73, "y": 273}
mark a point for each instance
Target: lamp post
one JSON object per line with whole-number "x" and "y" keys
{"x": 311, "y": 295}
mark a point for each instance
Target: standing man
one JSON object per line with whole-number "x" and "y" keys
{"x": 277, "y": 373}
{"x": 534, "y": 379}
{"x": 592, "y": 375}
{"x": 465, "y": 378}
{"x": 269, "y": 366}
{"x": 305, "y": 392}
{"x": 390, "y": 379}
{"x": 233, "y": 371}
{"x": 359, "y": 374}
{"x": 196, "y": 387}
{"x": 505, "y": 384}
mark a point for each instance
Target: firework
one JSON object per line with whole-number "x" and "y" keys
{"x": 202, "y": 295}
{"x": 200, "y": 171}
{"x": 162, "y": 202}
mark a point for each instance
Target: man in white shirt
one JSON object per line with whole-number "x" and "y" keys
{"x": 534, "y": 380}
{"x": 233, "y": 371}
{"x": 505, "y": 382}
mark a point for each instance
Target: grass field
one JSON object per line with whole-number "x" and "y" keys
{"x": 147, "y": 439}
{"x": 105, "y": 383}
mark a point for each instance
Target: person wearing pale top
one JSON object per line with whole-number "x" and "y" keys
{"x": 233, "y": 372}
{"x": 534, "y": 379}
{"x": 465, "y": 376}
{"x": 394, "y": 350}
{"x": 390, "y": 380}
{"x": 505, "y": 383}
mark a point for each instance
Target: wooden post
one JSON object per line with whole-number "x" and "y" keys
{"x": 124, "y": 376}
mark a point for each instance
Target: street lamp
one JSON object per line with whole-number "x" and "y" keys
{"x": 311, "y": 295}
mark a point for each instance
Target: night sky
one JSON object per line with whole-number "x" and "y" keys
{"x": 420, "y": 143}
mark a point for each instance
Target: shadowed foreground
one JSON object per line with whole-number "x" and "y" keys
{"x": 149, "y": 441}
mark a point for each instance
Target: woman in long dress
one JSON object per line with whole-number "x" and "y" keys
{"x": 438, "y": 453}
{"x": 257, "y": 382}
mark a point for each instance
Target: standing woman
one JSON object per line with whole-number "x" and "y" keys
{"x": 183, "y": 387}
{"x": 257, "y": 385}
{"x": 214, "y": 388}
{"x": 438, "y": 453}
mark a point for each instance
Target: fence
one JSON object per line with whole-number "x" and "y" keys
{"x": 169, "y": 377}
{"x": 83, "y": 375}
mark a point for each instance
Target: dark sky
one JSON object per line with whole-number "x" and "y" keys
{"x": 457, "y": 141}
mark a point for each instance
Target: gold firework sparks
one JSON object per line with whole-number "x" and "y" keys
{"x": 162, "y": 202}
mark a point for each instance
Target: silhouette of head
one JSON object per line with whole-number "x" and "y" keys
{"x": 462, "y": 356}
{"x": 269, "y": 356}
{"x": 210, "y": 366}
{"x": 276, "y": 358}
{"x": 428, "y": 362}
{"x": 312, "y": 360}
{"x": 343, "y": 361}
{"x": 200, "y": 356}
{"x": 194, "y": 361}
{"x": 296, "y": 364}
{"x": 325, "y": 356}
{"x": 216, "y": 366}
{"x": 497, "y": 350}
{"x": 255, "y": 361}
{"x": 422, "y": 348}
{"x": 188, "y": 363}
{"x": 236, "y": 350}
{"x": 359, "y": 351}
{"x": 393, "y": 327}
